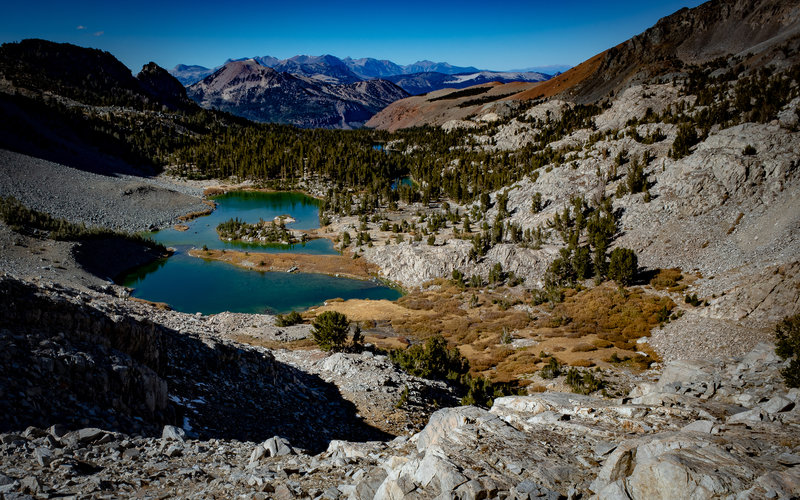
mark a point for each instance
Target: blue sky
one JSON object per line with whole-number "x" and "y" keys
{"x": 485, "y": 34}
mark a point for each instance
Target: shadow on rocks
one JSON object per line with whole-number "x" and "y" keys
{"x": 108, "y": 258}
{"x": 235, "y": 392}
{"x": 42, "y": 131}
{"x": 63, "y": 361}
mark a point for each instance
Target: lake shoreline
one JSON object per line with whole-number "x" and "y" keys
{"x": 341, "y": 266}
{"x": 211, "y": 191}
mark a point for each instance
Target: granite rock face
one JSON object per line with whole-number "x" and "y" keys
{"x": 142, "y": 407}
{"x": 89, "y": 360}
{"x": 677, "y": 438}
{"x": 723, "y": 428}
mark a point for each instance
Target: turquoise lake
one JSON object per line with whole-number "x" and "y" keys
{"x": 190, "y": 284}
{"x": 250, "y": 207}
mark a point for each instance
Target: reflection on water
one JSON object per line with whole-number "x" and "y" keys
{"x": 403, "y": 181}
{"x": 190, "y": 284}
{"x": 252, "y": 207}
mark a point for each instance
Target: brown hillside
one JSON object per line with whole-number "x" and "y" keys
{"x": 435, "y": 108}
{"x": 563, "y": 82}
{"x": 755, "y": 28}
{"x": 692, "y": 36}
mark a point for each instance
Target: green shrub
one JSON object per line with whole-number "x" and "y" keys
{"x": 458, "y": 278}
{"x": 583, "y": 382}
{"x": 403, "y": 398}
{"x": 623, "y": 266}
{"x": 496, "y": 274}
{"x": 684, "y": 140}
{"x": 290, "y": 319}
{"x": 432, "y": 360}
{"x": 636, "y": 181}
{"x": 551, "y": 370}
{"x": 692, "y": 300}
{"x": 582, "y": 262}
{"x": 482, "y": 392}
{"x": 536, "y": 203}
{"x": 330, "y": 330}
{"x": 787, "y": 346}
{"x": 357, "y": 342}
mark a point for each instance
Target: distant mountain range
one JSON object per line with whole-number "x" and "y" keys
{"x": 251, "y": 90}
{"x": 417, "y": 78}
{"x": 324, "y": 91}
{"x": 422, "y": 83}
{"x": 552, "y": 69}
{"x": 328, "y": 67}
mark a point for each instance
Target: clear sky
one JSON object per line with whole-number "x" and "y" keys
{"x": 487, "y": 34}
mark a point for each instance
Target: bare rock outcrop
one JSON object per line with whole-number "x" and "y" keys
{"x": 718, "y": 172}
{"x": 413, "y": 264}
{"x": 706, "y": 429}
{"x": 699, "y": 428}
{"x": 88, "y": 359}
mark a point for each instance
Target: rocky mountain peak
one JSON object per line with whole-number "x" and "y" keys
{"x": 249, "y": 89}
{"x": 325, "y": 68}
{"x": 237, "y": 73}
{"x": 158, "y": 82}
{"x": 692, "y": 36}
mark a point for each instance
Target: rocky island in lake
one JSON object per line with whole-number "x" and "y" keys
{"x": 273, "y": 231}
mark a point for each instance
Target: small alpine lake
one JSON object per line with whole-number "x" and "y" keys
{"x": 190, "y": 284}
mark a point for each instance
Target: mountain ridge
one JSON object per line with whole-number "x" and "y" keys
{"x": 365, "y": 68}
{"x": 751, "y": 30}
{"x": 260, "y": 93}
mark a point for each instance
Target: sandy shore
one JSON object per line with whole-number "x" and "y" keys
{"x": 333, "y": 265}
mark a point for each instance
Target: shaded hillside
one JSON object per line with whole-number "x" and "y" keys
{"x": 89, "y": 76}
{"x": 129, "y": 374}
{"x": 50, "y": 94}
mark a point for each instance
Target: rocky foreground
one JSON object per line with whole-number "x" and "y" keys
{"x": 98, "y": 401}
